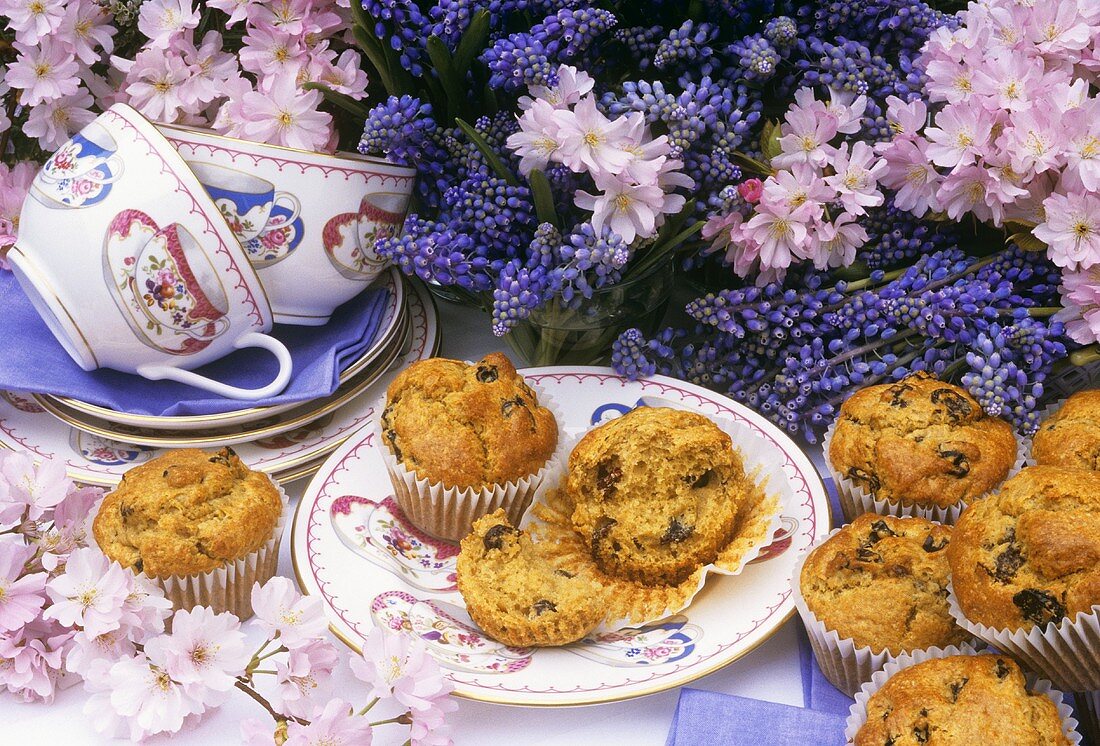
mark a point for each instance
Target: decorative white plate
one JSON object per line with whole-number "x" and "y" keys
{"x": 388, "y": 334}
{"x": 24, "y": 425}
{"x": 351, "y": 545}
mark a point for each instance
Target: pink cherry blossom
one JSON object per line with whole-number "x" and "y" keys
{"x": 238, "y": 10}
{"x": 906, "y": 119}
{"x": 847, "y": 108}
{"x": 1008, "y": 81}
{"x": 46, "y": 71}
{"x": 15, "y": 182}
{"x": 400, "y": 666}
{"x": 284, "y": 612}
{"x": 230, "y": 118}
{"x": 335, "y": 725}
{"x": 780, "y": 231}
{"x": 56, "y": 120}
{"x": 805, "y": 138}
{"x": 144, "y": 609}
{"x": 40, "y": 487}
{"x": 86, "y": 650}
{"x": 537, "y": 140}
{"x": 32, "y": 659}
{"x": 303, "y": 676}
{"x": 1082, "y": 153}
{"x": 137, "y": 694}
{"x": 156, "y": 83}
{"x": 1056, "y": 27}
{"x": 799, "y": 189}
{"x": 345, "y": 75}
{"x": 257, "y": 732}
{"x": 626, "y": 208}
{"x": 1081, "y": 304}
{"x": 671, "y": 177}
{"x": 164, "y": 20}
{"x": 589, "y": 141}
{"x": 285, "y": 115}
{"x": 210, "y": 68}
{"x": 269, "y": 51}
{"x": 87, "y": 25}
{"x": 69, "y": 529}
{"x": 838, "y": 241}
{"x": 21, "y": 596}
{"x": 960, "y": 133}
{"x": 751, "y": 190}
{"x": 724, "y": 234}
{"x": 967, "y": 190}
{"x": 950, "y": 80}
{"x": 856, "y": 178}
{"x": 32, "y": 20}
{"x": 910, "y": 173}
{"x": 205, "y": 653}
{"x": 90, "y": 592}
{"x": 1034, "y": 142}
{"x": 1071, "y": 230}
{"x": 572, "y": 85}
{"x": 290, "y": 16}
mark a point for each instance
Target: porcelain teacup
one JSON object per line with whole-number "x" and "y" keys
{"x": 81, "y": 171}
{"x": 149, "y": 279}
{"x": 315, "y": 247}
{"x": 245, "y": 200}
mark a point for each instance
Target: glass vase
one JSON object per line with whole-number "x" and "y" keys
{"x": 580, "y": 332}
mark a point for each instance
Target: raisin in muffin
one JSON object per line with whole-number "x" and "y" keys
{"x": 467, "y": 425}
{"x": 516, "y": 595}
{"x": 920, "y": 442}
{"x": 960, "y": 699}
{"x": 187, "y": 512}
{"x": 1071, "y": 436}
{"x": 881, "y": 581}
{"x": 1030, "y": 554}
{"x": 656, "y": 493}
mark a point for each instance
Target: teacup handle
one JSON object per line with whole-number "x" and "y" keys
{"x": 251, "y": 339}
{"x": 294, "y": 205}
{"x": 114, "y": 162}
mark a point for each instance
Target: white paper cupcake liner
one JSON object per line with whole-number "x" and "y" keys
{"x": 448, "y": 512}
{"x": 846, "y": 665}
{"x": 637, "y": 604}
{"x": 858, "y": 714}
{"x": 855, "y": 501}
{"x": 1067, "y": 653}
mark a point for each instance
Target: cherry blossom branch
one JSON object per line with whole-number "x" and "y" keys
{"x": 243, "y": 685}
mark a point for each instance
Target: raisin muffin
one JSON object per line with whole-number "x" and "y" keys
{"x": 920, "y": 443}
{"x": 518, "y": 597}
{"x": 467, "y": 425}
{"x": 187, "y": 512}
{"x": 656, "y": 493}
{"x": 1030, "y": 554}
{"x": 960, "y": 699}
{"x": 1071, "y": 436}
{"x": 882, "y": 582}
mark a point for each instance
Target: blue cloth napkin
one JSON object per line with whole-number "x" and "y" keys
{"x": 712, "y": 718}
{"x": 34, "y": 361}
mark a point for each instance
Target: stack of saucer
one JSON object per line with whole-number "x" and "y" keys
{"x": 287, "y": 441}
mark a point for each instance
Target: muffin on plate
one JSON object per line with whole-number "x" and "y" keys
{"x": 1071, "y": 436}
{"x": 462, "y": 440}
{"x": 187, "y": 514}
{"x": 656, "y": 493}
{"x": 923, "y": 446}
{"x": 960, "y": 699}
{"x": 874, "y": 589}
{"x": 1025, "y": 566}
{"x": 516, "y": 595}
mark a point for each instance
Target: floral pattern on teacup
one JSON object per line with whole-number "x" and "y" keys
{"x": 70, "y": 179}
{"x": 22, "y": 403}
{"x": 107, "y": 452}
{"x": 665, "y": 641}
{"x": 784, "y": 537}
{"x": 279, "y": 238}
{"x": 450, "y": 637}
{"x": 381, "y": 534}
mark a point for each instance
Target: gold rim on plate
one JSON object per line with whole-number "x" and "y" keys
{"x": 170, "y": 422}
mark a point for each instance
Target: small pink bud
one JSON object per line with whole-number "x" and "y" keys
{"x": 751, "y": 190}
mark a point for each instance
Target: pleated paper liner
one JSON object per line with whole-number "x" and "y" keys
{"x": 227, "y": 588}
{"x": 858, "y": 714}
{"x": 845, "y": 664}
{"x": 448, "y": 512}
{"x": 855, "y": 501}
{"x": 1067, "y": 653}
{"x": 633, "y": 603}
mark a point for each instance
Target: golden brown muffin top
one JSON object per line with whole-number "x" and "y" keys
{"x": 1030, "y": 554}
{"x": 656, "y": 493}
{"x": 882, "y": 581}
{"x": 187, "y": 512}
{"x": 921, "y": 441}
{"x": 960, "y": 699}
{"x": 1071, "y": 436}
{"x": 467, "y": 425}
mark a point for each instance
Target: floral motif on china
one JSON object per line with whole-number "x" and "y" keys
{"x": 165, "y": 289}
{"x": 381, "y": 534}
{"x": 237, "y": 224}
{"x": 22, "y": 403}
{"x": 665, "y": 641}
{"x": 450, "y": 636}
{"x": 64, "y": 160}
{"x": 107, "y": 452}
{"x": 782, "y": 541}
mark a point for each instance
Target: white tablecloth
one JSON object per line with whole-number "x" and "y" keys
{"x": 770, "y": 672}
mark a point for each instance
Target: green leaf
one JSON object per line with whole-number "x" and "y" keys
{"x": 453, "y": 85}
{"x": 1019, "y": 226}
{"x": 1027, "y": 241}
{"x": 939, "y": 217}
{"x": 491, "y": 156}
{"x": 472, "y": 42}
{"x": 377, "y": 56}
{"x": 344, "y": 101}
{"x": 769, "y": 140}
{"x": 543, "y": 197}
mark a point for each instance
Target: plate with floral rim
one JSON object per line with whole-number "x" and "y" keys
{"x": 96, "y": 460}
{"x": 351, "y": 545}
{"x": 387, "y": 335}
